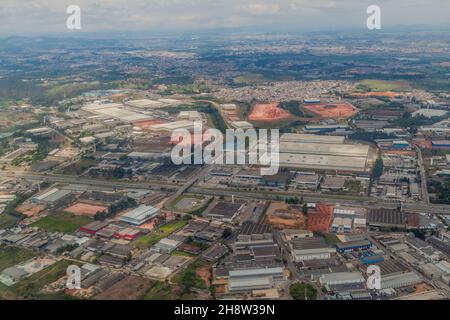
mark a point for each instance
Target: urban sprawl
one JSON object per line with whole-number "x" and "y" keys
{"x": 87, "y": 178}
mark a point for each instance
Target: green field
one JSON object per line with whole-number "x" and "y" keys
{"x": 163, "y": 232}
{"x": 10, "y": 256}
{"x": 384, "y": 85}
{"x": 160, "y": 291}
{"x": 62, "y": 222}
{"x": 173, "y": 226}
{"x": 7, "y": 221}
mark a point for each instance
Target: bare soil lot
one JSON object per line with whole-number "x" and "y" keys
{"x": 130, "y": 288}
{"x": 85, "y": 209}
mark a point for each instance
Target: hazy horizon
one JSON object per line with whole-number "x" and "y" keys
{"x": 48, "y": 17}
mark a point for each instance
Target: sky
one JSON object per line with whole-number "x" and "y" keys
{"x": 28, "y": 17}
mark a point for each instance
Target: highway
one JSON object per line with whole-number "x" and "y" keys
{"x": 258, "y": 195}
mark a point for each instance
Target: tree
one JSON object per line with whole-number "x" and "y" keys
{"x": 378, "y": 168}
{"x": 227, "y": 232}
{"x": 305, "y": 209}
{"x": 302, "y": 291}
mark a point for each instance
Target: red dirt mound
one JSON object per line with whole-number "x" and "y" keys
{"x": 268, "y": 112}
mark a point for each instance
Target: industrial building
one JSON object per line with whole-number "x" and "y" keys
{"x": 307, "y": 181}
{"x": 94, "y": 227}
{"x": 291, "y": 234}
{"x": 341, "y": 225}
{"x": 322, "y": 153}
{"x": 115, "y": 110}
{"x": 215, "y": 252}
{"x": 311, "y": 138}
{"x": 244, "y": 125}
{"x": 399, "y": 280}
{"x": 254, "y": 235}
{"x": 353, "y": 246}
{"x": 225, "y": 211}
{"x": 9, "y": 157}
{"x": 144, "y": 104}
{"x": 53, "y": 198}
{"x": 387, "y": 218}
{"x": 190, "y": 116}
{"x": 172, "y": 126}
{"x": 140, "y": 215}
{"x": 341, "y": 278}
{"x": 310, "y": 249}
{"x": 254, "y": 279}
{"x": 441, "y": 144}
{"x": 127, "y": 234}
{"x": 166, "y": 245}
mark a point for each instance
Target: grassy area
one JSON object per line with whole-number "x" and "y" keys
{"x": 250, "y": 78}
{"x": 173, "y": 226}
{"x": 384, "y": 85}
{"x": 164, "y": 231}
{"x": 147, "y": 240}
{"x": 62, "y": 222}
{"x": 30, "y": 287}
{"x": 189, "y": 279}
{"x": 259, "y": 78}
{"x": 10, "y": 256}
{"x": 353, "y": 186}
{"x": 10, "y": 216}
{"x": 160, "y": 291}
{"x": 79, "y": 167}
{"x": 7, "y": 221}
{"x": 331, "y": 238}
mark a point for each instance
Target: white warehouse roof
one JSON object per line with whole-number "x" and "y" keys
{"x": 140, "y": 215}
{"x": 341, "y": 278}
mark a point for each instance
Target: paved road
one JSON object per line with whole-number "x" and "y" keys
{"x": 158, "y": 185}
{"x": 423, "y": 178}
{"x": 291, "y": 265}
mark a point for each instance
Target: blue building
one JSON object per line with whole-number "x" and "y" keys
{"x": 401, "y": 144}
{"x": 441, "y": 144}
{"x": 371, "y": 259}
{"x": 353, "y": 246}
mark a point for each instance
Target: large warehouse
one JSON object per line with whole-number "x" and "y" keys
{"x": 140, "y": 215}
{"x": 115, "y": 110}
{"x": 322, "y": 153}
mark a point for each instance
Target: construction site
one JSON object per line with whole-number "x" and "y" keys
{"x": 343, "y": 110}
{"x": 268, "y": 112}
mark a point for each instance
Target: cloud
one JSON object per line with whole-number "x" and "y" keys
{"x": 259, "y": 8}
{"x": 45, "y": 16}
